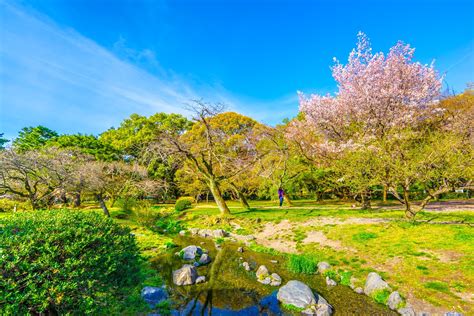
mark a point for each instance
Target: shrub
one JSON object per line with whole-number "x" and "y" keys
{"x": 183, "y": 203}
{"x": 331, "y": 274}
{"x": 302, "y": 264}
{"x": 381, "y": 296}
{"x": 168, "y": 225}
{"x": 346, "y": 278}
{"x": 126, "y": 203}
{"x": 60, "y": 262}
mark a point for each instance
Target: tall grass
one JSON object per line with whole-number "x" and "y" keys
{"x": 302, "y": 264}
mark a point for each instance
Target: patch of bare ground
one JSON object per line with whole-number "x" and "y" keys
{"x": 421, "y": 306}
{"x": 268, "y": 236}
{"x": 315, "y": 236}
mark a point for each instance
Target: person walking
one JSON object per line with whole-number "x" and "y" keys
{"x": 281, "y": 195}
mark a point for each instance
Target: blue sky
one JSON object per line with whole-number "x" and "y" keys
{"x": 84, "y": 65}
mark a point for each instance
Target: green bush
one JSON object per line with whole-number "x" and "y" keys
{"x": 127, "y": 203}
{"x": 60, "y": 262}
{"x": 183, "y": 203}
{"x": 302, "y": 264}
{"x": 169, "y": 226}
{"x": 381, "y": 296}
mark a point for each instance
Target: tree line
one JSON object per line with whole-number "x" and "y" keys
{"x": 387, "y": 129}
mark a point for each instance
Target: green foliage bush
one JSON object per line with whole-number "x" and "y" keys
{"x": 60, "y": 262}
{"x": 168, "y": 225}
{"x": 381, "y": 296}
{"x": 302, "y": 264}
{"x": 183, "y": 203}
{"x": 127, "y": 203}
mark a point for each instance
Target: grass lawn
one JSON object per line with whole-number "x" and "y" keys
{"x": 430, "y": 261}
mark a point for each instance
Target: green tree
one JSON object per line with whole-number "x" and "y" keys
{"x": 30, "y": 138}
{"x": 86, "y": 144}
{"x": 3, "y": 141}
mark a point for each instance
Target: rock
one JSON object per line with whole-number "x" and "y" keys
{"x": 394, "y": 300}
{"x": 323, "y": 266}
{"x": 194, "y": 231}
{"x": 242, "y": 238}
{"x": 274, "y": 261}
{"x": 218, "y": 246}
{"x": 246, "y": 266}
{"x": 374, "y": 283}
{"x": 406, "y": 311}
{"x": 267, "y": 280}
{"x": 205, "y": 259}
{"x": 275, "y": 280}
{"x": 185, "y": 276}
{"x": 219, "y": 233}
{"x": 240, "y": 249}
{"x": 423, "y": 314}
{"x": 182, "y": 232}
{"x": 191, "y": 252}
{"x": 353, "y": 281}
{"x": 296, "y": 293}
{"x": 318, "y": 310}
{"x": 262, "y": 273}
{"x": 359, "y": 290}
{"x": 153, "y": 295}
{"x": 330, "y": 282}
{"x": 453, "y": 314}
{"x": 205, "y": 233}
{"x": 200, "y": 279}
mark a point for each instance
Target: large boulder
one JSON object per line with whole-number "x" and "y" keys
{"x": 185, "y": 276}
{"x": 205, "y": 233}
{"x": 153, "y": 295}
{"x": 296, "y": 293}
{"x": 394, "y": 300}
{"x": 262, "y": 272}
{"x": 191, "y": 252}
{"x": 374, "y": 283}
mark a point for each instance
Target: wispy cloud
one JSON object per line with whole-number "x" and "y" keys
{"x": 54, "y": 76}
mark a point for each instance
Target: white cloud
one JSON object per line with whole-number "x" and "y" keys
{"x": 54, "y": 76}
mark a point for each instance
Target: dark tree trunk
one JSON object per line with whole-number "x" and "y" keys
{"x": 77, "y": 199}
{"x": 102, "y": 204}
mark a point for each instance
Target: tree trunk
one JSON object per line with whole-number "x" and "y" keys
{"x": 216, "y": 192}
{"x": 77, "y": 200}
{"x": 365, "y": 201}
{"x": 102, "y": 204}
{"x": 242, "y": 198}
{"x": 409, "y": 212}
{"x": 384, "y": 196}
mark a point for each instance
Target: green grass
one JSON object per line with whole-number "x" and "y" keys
{"x": 437, "y": 286}
{"x": 381, "y": 296}
{"x": 292, "y": 308}
{"x": 306, "y": 264}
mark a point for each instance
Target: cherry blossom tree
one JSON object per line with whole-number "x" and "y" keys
{"x": 382, "y": 101}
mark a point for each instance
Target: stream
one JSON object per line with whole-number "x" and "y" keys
{"x": 230, "y": 290}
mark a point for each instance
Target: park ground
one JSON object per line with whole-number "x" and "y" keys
{"x": 429, "y": 260}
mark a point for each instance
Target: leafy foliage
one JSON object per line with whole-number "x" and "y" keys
{"x": 183, "y": 203}
{"x": 31, "y": 138}
{"x": 65, "y": 262}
